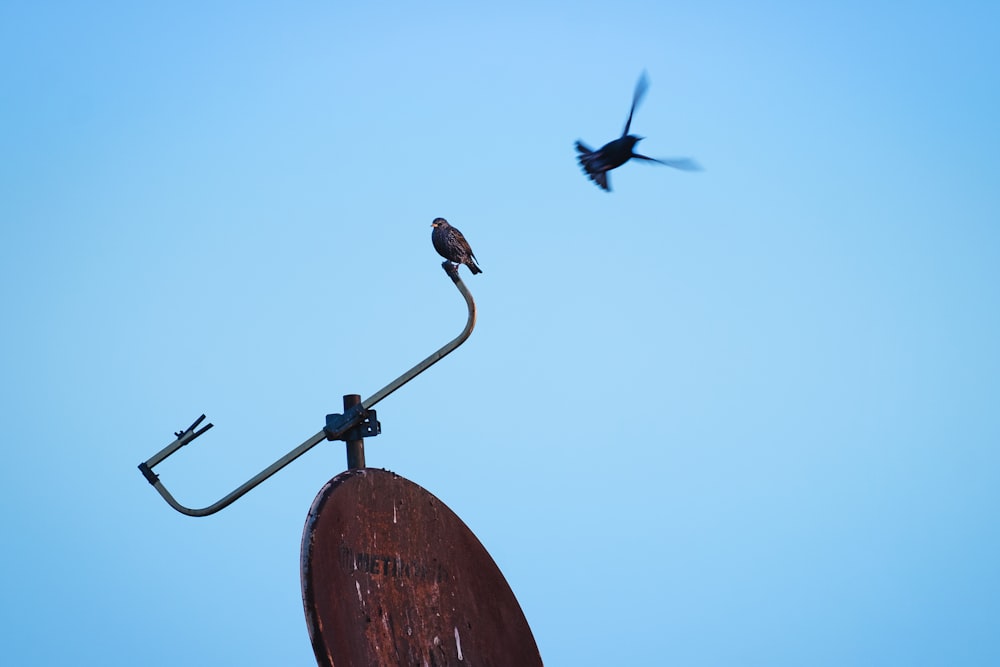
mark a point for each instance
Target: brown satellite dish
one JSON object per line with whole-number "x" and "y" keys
{"x": 391, "y": 576}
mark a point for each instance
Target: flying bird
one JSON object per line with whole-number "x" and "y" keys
{"x": 615, "y": 153}
{"x": 451, "y": 244}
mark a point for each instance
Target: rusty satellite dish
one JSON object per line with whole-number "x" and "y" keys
{"x": 391, "y": 576}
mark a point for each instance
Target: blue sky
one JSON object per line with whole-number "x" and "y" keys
{"x": 743, "y": 416}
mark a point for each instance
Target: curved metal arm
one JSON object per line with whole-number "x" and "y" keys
{"x": 352, "y": 420}
{"x": 452, "y": 272}
{"x": 240, "y": 491}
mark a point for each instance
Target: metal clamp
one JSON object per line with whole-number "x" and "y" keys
{"x": 367, "y": 427}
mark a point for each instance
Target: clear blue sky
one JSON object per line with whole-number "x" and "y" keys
{"x": 747, "y": 416}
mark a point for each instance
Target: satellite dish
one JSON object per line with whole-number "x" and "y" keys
{"x": 391, "y": 576}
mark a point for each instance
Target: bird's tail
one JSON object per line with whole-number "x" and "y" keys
{"x": 587, "y": 159}
{"x": 586, "y": 155}
{"x": 474, "y": 267}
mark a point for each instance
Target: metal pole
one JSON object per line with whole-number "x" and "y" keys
{"x": 355, "y": 448}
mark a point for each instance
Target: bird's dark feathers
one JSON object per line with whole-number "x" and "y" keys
{"x": 640, "y": 91}
{"x": 615, "y": 153}
{"x": 451, "y": 244}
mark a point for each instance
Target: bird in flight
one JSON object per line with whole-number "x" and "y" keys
{"x": 615, "y": 153}
{"x": 451, "y": 244}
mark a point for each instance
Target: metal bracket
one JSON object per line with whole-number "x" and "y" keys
{"x": 368, "y": 426}
{"x": 189, "y": 434}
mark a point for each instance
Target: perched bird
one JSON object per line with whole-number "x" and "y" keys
{"x": 451, "y": 245}
{"x": 615, "y": 153}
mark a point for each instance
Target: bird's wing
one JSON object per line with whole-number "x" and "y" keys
{"x": 460, "y": 240}
{"x": 601, "y": 178}
{"x": 683, "y": 163}
{"x": 640, "y": 91}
